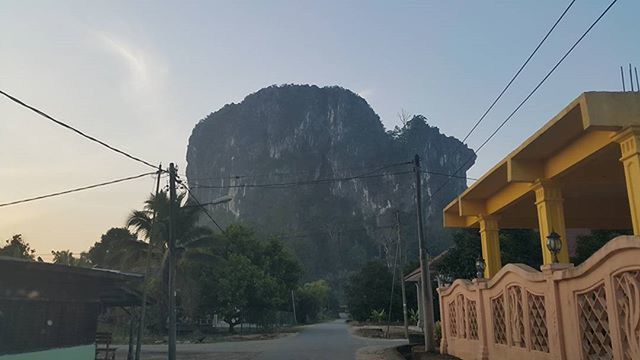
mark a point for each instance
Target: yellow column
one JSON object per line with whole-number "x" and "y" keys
{"x": 629, "y": 141}
{"x": 490, "y": 245}
{"x": 550, "y": 207}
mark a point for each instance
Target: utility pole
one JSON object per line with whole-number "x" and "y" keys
{"x": 293, "y": 305}
{"x": 172, "y": 262}
{"x": 425, "y": 278}
{"x": 404, "y": 291}
{"x": 143, "y": 309}
{"x": 393, "y": 287}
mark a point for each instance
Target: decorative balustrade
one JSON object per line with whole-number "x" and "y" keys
{"x": 591, "y": 311}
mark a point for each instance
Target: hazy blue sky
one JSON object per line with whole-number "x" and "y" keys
{"x": 140, "y": 74}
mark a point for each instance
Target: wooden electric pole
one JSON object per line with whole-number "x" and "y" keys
{"x": 293, "y": 306}
{"x": 404, "y": 291}
{"x": 172, "y": 262}
{"x": 425, "y": 278}
{"x": 145, "y": 291}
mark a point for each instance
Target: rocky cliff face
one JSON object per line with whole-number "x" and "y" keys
{"x": 275, "y": 152}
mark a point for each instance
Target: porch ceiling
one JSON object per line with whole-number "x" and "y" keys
{"x": 575, "y": 149}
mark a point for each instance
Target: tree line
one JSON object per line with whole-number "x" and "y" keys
{"x": 237, "y": 274}
{"x": 234, "y": 274}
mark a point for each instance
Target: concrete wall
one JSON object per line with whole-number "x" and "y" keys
{"x": 591, "y": 311}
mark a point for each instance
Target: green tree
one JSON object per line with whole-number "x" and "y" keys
{"x": 516, "y": 246}
{"x": 586, "y": 245}
{"x": 314, "y": 301}
{"x": 245, "y": 276}
{"x": 369, "y": 289}
{"x": 460, "y": 260}
{"x": 16, "y": 247}
{"x": 232, "y": 286}
{"x": 65, "y": 257}
{"x": 118, "y": 249}
{"x": 521, "y": 246}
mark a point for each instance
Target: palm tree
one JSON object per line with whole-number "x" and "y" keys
{"x": 193, "y": 242}
{"x": 192, "y": 239}
{"x": 118, "y": 249}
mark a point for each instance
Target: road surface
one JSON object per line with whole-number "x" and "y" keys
{"x": 331, "y": 341}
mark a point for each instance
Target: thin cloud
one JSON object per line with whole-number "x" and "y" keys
{"x": 145, "y": 81}
{"x": 145, "y": 72}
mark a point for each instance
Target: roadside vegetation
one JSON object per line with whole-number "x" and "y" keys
{"x": 237, "y": 281}
{"x": 372, "y": 305}
{"x": 230, "y": 281}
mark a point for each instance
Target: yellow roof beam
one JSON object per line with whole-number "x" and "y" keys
{"x": 471, "y": 208}
{"x": 524, "y": 170}
{"x": 454, "y": 220}
{"x": 577, "y": 151}
{"x": 506, "y": 196}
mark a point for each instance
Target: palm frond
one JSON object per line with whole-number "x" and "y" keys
{"x": 140, "y": 221}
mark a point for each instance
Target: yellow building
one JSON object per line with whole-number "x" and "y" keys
{"x": 581, "y": 170}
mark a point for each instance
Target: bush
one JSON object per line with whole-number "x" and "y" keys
{"x": 377, "y": 316}
{"x": 437, "y": 333}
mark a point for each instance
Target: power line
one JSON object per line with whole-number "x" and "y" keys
{"x": 307, "y": 182}
{"x": 312, "y": 233}
{"x": 448, "y": 175}
{"x": 69, "y": 127}
{"x": 518, "y": 72}
{"x": 310, "y": 182}
{"x": 289, "y": 184}
{"x": 291, "y": 173}
{"x": 199, "y": 205}
{"x": 76, "y": 189}
{"x": 553, "y": 69}
{"x": 298, "y": 183}
{"x": 535, "y": 89}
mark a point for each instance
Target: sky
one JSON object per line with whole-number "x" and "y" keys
{"x": 141, "y": 74}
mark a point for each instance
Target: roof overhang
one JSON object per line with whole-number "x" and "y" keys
{"x": 575, "y": 148}
{"x": 37, "y": 281}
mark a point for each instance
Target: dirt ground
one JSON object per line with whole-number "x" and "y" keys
{"x": 378, "y": 353}
{"x": 385, "y": 353}
{"x": 265, "y": 336}
{"x": 378, "y": 331}
{"x": 390, "y": 353}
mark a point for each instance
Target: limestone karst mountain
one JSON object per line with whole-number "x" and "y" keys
{"x": 298, "y": 137}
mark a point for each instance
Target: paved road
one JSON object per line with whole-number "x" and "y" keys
{"x": 331, "y": 341}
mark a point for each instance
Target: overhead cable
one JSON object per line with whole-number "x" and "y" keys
{"x": 76, "y": 189}
{"x": 535, "y": 89}
{"x": 291, "y": 173}
{"x": 513, "y": 78}
{"x": 200, "y": 205}
{"x": 298, "y": 183}
{"x": 81, "y": 133}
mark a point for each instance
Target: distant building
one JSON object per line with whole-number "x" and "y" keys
{"x": 50, "y": 311}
